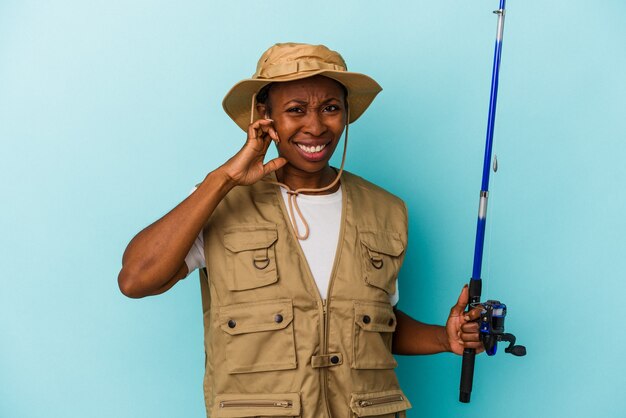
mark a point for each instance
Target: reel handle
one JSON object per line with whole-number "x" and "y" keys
{"x": 516, "y": 350}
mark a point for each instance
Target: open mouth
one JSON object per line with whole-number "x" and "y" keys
{"x": 311, "y": 149}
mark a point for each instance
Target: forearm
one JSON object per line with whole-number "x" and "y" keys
{"x": 413, "y": 337}
{"x": 154, "y": 259}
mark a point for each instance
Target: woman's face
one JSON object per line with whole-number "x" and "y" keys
{"x": 309, "y": 116}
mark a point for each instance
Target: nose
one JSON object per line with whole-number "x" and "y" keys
{"x": 314, "y": 124}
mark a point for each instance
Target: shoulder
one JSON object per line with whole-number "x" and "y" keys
{"x": 371, "y": 191}
{"x": 376, "y": 209}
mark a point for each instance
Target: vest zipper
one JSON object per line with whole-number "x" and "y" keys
{"x": 329, "y": 293}
{"x": 255, "y": 403}
{"x": 380, "y": 401}
{"x": 323, "y": 371}
{"x": 325, "y": 320}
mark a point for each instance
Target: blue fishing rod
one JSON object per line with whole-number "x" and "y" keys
{"x": 493, "y": 312}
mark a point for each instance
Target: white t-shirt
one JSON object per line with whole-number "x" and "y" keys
{"x": 323, "y": 214}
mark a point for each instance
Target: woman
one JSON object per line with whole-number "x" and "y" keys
{"x": 301, "y": 259}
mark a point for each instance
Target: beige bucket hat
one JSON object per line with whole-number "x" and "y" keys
{"x": 294, "y": 61}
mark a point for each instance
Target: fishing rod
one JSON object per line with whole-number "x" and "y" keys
{"x": 493, "y": 312}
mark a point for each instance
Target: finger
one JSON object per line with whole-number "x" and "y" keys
{"x": 461, "y": 302}
{"x": 474, "y": 313}
{"x": 258, "y": 139}
{"x": 470, "y": 337}
{"x": 269, "y": 124}
{"x": 256, "y": 128}
{"x": 262, "y": 122}
{"x": 470, "y": 327}
{"x": 274, "y": 165}
{"x": 274, "y": 135}
{"x": 268, "y": 132}
{"x": 252, "y": 134}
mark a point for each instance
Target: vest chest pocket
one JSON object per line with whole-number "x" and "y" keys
{"x": 259, "y": 336}
{"x": 250, "y": 256}
{"x": 374, "y": 324}
{"x": 381, "y": 258}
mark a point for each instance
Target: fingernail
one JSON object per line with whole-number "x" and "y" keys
{"x": 467, "y": 318}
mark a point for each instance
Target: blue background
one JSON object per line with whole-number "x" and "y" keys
{"x": 110, "y": 111}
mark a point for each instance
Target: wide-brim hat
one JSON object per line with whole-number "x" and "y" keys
{"x": 294, "y": 61}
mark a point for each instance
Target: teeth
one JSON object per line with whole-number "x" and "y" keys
{"x": 311, "y": 150}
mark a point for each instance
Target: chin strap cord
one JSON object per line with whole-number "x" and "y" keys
{"x": 293, "y": 194}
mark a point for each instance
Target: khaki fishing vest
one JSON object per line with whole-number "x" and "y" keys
{"x": 273, "y": 346}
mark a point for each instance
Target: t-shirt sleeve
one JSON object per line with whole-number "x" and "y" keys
{"x": 395, "y": 298}
{"x": 195, "y": 257}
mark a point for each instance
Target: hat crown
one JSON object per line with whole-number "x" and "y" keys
{"x": 290, "y": 58}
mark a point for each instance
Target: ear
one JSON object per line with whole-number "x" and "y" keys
{"x": 262, "y": 110}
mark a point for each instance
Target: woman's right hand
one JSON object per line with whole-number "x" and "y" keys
{"x": 246, "y": 167}
{"x": 154, "y": 260}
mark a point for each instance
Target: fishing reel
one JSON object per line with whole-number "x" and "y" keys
{"x": 492, "y": 329}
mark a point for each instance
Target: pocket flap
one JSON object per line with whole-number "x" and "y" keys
{"x": 374, "y": 317}
{"x": 384, "y": 242}
{"x": 252, "y": 237}
{"x": 254, "y": 405}
{"x": 379, "y": 403}
{"x": 244, "y": 318}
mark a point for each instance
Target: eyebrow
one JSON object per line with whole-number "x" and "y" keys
{"x": 304, "y": 103}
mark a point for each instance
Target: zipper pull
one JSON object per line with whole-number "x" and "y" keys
{"x": 283, "y": 404}
{"x": 324, "y": 306}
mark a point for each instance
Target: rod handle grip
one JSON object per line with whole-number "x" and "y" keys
{"x": 467, "y": 375}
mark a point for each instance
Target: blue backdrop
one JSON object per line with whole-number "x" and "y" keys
{"x": 110, "y": 111}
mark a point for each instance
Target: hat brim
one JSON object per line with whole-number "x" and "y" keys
{"x": 362, "y": 90}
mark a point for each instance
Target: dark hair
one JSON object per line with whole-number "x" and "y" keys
{"x": 263, "y": 95}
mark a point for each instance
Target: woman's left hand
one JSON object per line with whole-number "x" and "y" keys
{"x": 461, "y": 326}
